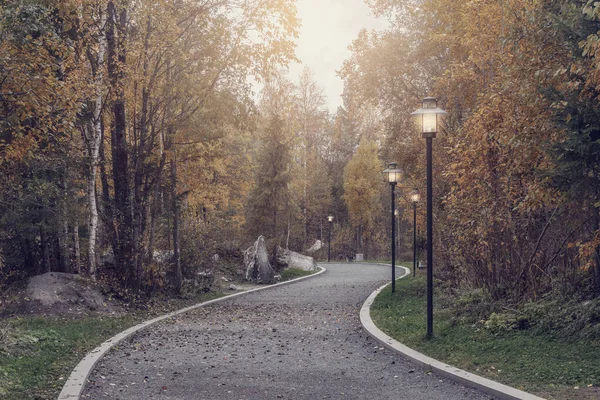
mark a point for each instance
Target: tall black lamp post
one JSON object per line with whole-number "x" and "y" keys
{"x": 415, "y": 197}
{"x": 392, "y": 175}
{"x": 397, "y": 215}
{"x": 428, "y": 121}
{"x": 330, "y": 219}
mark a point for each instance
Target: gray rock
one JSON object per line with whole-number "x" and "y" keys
{"x": 256, "y": 262}
{"x": 290, "y": 259}
{"x": 58, "y": 293}
{"x": 232, "y": 287}
{"x": 318, "y": 245}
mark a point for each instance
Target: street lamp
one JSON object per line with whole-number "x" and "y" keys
{"x": 392, "y": 176}
{"x": 330, "y": 219}
{"x": 415, "y": 197}
{"x": 428, "y": 116}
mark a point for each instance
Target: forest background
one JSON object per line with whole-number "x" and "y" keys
{"x": 129, "y": 133}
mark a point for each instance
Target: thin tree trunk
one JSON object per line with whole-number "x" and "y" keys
{"x": 287, "y": 241}
{"x": 597, "y": 266}
{"x": 93, "y": 219}
{"x": 175, "y": 208}
{"x": 275, "y": 221}
{"x": 45, "y": 250}
{"x": 93, "y": 141}
{"x": 63, "y": 237}
{"x": 76, "y": 247}
{"x": 153, "y": 217}
{"x": 106, "y": 204}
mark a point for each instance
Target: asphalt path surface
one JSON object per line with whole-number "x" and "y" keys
{"x": 297, "y": 341}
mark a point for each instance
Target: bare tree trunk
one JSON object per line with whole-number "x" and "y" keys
{"x": 45, "y": 250}
{"x": 93, "y": 139}
{"x": 115, "y": 46}
{"x": 175, "y": 207}
{"x": 153, "y": 217}
{"x": 76, "y": 247}
{"x": 287, "y": 241}
{"x": 93, "y": 210}
{"x": 142, "y": 144}
{"x": 63, "y": 236}
{"x": 597, "y": 266}
{"x": 275, "y": 221}
{"x": 106, "y": 204}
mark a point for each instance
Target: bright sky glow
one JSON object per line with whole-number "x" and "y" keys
{"x": 328, "y": 28}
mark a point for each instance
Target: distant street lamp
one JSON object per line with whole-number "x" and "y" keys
{"x": 428, "y": 119}
{"x": 330, "y": 219}
{"x": 392, "y": 176}
{"x": 415, "y": 197}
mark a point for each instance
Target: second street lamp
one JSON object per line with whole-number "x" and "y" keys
{"x": 428, "y": 116}
{"x": 415, "y": 197}
{"x": 330, "y": 219}
{"x": 392, "y": 176}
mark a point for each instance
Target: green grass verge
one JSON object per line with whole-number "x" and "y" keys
{"x": 292, "y": 273}
{"x": 520, "y": 359}
{"x": 37, "y": 354}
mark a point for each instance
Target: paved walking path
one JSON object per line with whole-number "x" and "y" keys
{"x": 300, "y": 341}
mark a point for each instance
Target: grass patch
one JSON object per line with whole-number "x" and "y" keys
{"x": 37, "y": 354}
{"x": 519, "y": 358}
{"x": 292, "y": 273}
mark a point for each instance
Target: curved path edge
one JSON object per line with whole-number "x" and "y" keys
{"x": 75, "y": 383}
{"x": 485, "y": 385}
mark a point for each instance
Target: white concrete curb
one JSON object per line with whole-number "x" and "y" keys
{"x": 488, "y": 386}
{"x": 78, "y": 378}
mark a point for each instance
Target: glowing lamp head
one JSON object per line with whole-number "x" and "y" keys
{"x": 393, "y": 173}
{"x": 415, "y": 196}
{"x": 428, "y": 117}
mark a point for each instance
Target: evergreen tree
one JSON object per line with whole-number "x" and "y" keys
{"x": 269, "y": 201}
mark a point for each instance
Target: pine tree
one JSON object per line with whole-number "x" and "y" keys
{"x": 269, "y": 200}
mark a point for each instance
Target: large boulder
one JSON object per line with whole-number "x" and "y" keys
{"x": 256, "y": 262}
{"x": 318, "y": 245}
{"x": 290, "y": 259}
{"x": 59, "y": 293}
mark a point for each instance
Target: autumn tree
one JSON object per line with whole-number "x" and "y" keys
{"x": 575, "y": 107}
{"x": 38, "y": 139}
{"x": 362, "y": 191}
{"x": 505, "y": 72}
{"x": 139, "y": 95}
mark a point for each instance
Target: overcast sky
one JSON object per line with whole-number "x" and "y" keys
{"x": 328, "y": 28}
